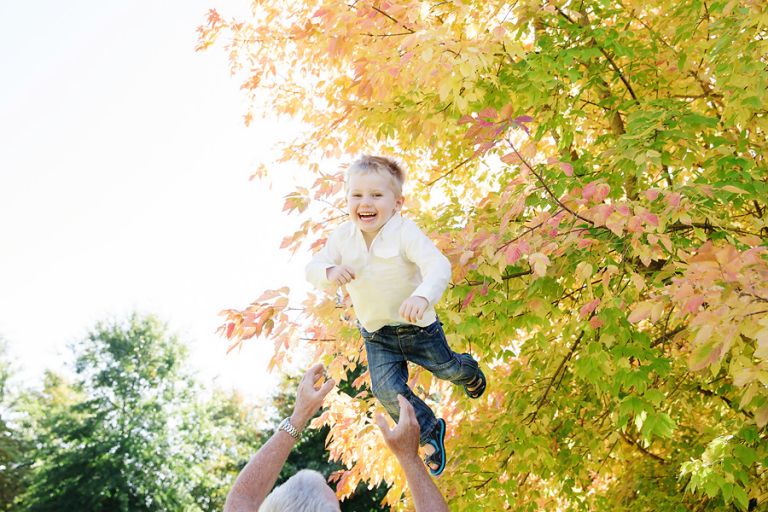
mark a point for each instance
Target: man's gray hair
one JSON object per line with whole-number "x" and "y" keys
{"x": 303, "y": 492}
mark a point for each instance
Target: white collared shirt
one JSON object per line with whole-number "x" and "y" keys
{"x": 402, "y": 262}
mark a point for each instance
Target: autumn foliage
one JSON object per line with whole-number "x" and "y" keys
{"x": 596, "y": 173}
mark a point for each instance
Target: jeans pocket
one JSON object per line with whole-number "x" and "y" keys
{"x": 367, "y": 336}
{"x": 433, "y": 329}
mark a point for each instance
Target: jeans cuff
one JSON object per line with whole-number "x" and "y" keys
{"x": 424, "y": 437}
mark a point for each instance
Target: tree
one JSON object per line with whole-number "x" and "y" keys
{"x": 129, "y": 434}
{"x": 224, "y": 434}
{"x": 12, "y": 446}
{"x": 596, "y": 172}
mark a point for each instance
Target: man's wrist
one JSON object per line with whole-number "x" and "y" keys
{"x": 298, "y": 421}
{"x": 409, "y": 462}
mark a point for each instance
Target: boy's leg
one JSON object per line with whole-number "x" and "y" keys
{"x": 389, "y": 377}
{"x": 429, "y": 349}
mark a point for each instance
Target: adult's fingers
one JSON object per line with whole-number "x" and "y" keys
{"x": 326, "y": 387}
{"x": 406, "y": 409}
{"x": 381, "y": 421}
{"x": 314, "y": 373}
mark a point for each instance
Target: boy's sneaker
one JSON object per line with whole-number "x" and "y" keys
{"x": 436, "y": 460}
{"x": 476, "y": 387}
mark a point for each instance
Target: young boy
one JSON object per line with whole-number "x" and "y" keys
{"x": 394, "y": 275}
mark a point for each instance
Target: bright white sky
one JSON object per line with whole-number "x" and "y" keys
{"x": 124, "y": 166}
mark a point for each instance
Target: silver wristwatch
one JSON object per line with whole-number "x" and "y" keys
{"x": 286, "y": 426}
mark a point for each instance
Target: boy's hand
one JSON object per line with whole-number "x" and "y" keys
{"x": 340, "y": 274}
{"x": 413, "y": 308}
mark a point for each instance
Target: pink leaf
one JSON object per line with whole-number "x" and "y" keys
{"x": 595, "y": 322}
{"x": 567, "y": 168}
{"x": 467, "y": 299}
{"x": 640, "y": 312}
{"x": 652, "y": 194}
{"x": 601, "y": 192}
{"x": 588, "y": 308}
{"x": 673, "y": 199}
{"x": 488, "y": 113}
{"x": 511, "y": 158}
{"x": 589, "y": 190}
{"x": 513, "y": 254}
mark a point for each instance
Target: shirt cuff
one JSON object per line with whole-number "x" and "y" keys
{"x": 428, "y": 292}
{"x": 316, "y": 274}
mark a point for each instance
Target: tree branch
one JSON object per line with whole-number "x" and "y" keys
{"x": 560, "y": 368}
{"x": 643, "y": 450}
{"x": 546, "y": 187}
{"x": 451, "y": 171}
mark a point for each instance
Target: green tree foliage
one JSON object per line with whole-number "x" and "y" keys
{"x": 12, "y": 446}
{"x": 129, "y": 435}
{"x": 596, "y": 171}
{"x": 223, "y": 435}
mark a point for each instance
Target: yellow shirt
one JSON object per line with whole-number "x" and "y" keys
{"x": 402, "y": 262}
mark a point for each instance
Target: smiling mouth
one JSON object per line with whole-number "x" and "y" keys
{"x": 366, "y": 216}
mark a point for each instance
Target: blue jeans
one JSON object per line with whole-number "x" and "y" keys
{"x": 389, "y": 351}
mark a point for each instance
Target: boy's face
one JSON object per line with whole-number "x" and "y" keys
{"x": 371, "y": 201}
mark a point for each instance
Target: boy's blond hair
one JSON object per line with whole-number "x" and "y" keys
{"x": 381, "y": 164}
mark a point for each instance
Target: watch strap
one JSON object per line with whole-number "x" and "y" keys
{"x": 287, "y": 427}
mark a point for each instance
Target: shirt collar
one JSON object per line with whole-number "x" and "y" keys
{"x": 386, "y": 236}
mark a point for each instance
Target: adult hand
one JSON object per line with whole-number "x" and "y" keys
{"x": 340, "y": 274}
{"x": 309, "y": 396}
{"x": 413, "y": 308}
{"x": 403, "y": 440}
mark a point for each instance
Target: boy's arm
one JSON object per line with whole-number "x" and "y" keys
{"x": 329, "y": 256}
{"x": 434, "y": 266}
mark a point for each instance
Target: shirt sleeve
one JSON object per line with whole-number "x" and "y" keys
{"x": 434, "y": 266}
{"x": 328, "y": 256}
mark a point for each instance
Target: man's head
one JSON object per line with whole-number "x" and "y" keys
{"x": 374, "y": 192}
{"x": 306, "y": 491}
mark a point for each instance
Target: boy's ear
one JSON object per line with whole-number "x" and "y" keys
{"x": 399, "y": 203}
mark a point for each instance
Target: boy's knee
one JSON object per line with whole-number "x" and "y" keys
{"x": 461, "y": 367}
{"x": 386, "y": 392}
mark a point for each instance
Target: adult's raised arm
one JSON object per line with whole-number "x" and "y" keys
{"x": 257, "y": 478}
{"x": 403, "y": 441}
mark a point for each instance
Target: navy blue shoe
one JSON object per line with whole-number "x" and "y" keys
{"x": 476, "y": 388}
{"x": 436, "y": 460}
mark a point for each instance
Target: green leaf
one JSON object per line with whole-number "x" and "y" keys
{"x": 740, "y": 495}
{"x": 745, "y": 454}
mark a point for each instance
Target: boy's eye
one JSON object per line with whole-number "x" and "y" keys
{"x": 356, "y": 195}
{"x": 376, "y": 194}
